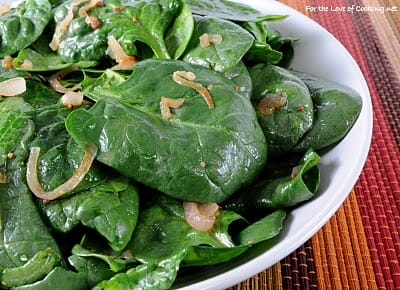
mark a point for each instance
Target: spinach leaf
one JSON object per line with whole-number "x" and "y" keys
{"x": 278, "y": 188}
{"x": 94, "y": 269}
{"x": 284, "y": 107}
{"x": 44, "y": 61}
{"x": 263, "y": 229}
{"x": 23, "y": 233}
{"x": 227, "y": 10}
{"x": 39, "y": 95}
{"x": 219, "y": 56}
{"x": 179, "y": 34}
{"x": 34, "y": 269}
{"x": 111, "y": 208}
{"x": 241, "y": 77}
{"x": 6, "y": 74}
{"x": 15, "y": 121}
{"x": 202, "y": 146}
{"x": 336, "y": 110}
{"x": 60, "y": 279}
{"x": 146, "y": 276}
{"x": 21, "y": 26}
{"x": 116, "y": 261}
{"x": 205, "y": 255}
{"x": 269, "y": 46}
{"x": 163, "y": 25}
{"x": 60, "y": 155}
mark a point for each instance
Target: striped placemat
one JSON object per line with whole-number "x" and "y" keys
{"x": 359, "y": 248}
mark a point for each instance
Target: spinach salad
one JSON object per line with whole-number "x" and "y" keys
{"x": 143, "y": 139}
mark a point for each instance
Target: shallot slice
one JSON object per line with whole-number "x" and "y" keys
{"x": 54, "y": 80}
{"x": 271, "y": 102}
{"x": 4, "y": 8}
{"x": 83, "y": 11}
{"x": 7, "y": 62}
{"x": 167, "y": 103}
{"x": 72, "y": 99}
{"x": 12, "y": 87}
{"x": 116, "y": 52}
{"x": 78, "y": 175}
{"x": 186, "y": 79}
{"x": 201, "y": 216}
{"x": 207, "y": 39}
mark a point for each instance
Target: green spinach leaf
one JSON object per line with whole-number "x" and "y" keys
{"x": 163, "y": 25}
{"x": 201, "y": 146}
{"x": 336, "y": 110}
{"x": 34, "y": 269}
{"x": 59, "y": 155}
{"x": 279, "y": 188}
{"x": 269, "y": 46}
{"x": 21, "y": 26}
{"x": 23, "y": 233}
{"x": 263, "y": 229}
{"x": 221, "y": 56}
{"x": 111, "y": 208}
{"x": 228, "y": 10}
{"x": 284, "y": 107}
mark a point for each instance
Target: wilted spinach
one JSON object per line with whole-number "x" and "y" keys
{"x": 124, "y": 225}
{"x": 21, "y": 26}
{"x": 284, "y": 106}
{"x": 224, "y": 138}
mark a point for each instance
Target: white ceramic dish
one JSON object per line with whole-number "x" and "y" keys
{"x": 319, "y": 53}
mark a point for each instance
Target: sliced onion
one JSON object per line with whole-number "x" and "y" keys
{"x": 4, "y": 8}
{"x": 78, "y": 175}
{"x": 93, "y": 22}
{"x": 7, "y": 62}
{"x": 167, "y": 103}
{"x": 83, "y": 11}
{"x": 54, "y": 80}
{"x": 271, "y": 102}
{"x": 201, "y": 216}
{"x": 12, "y": 87}
{"x": 207, "y": 39}
{"x": 116, "y": 52}
{"x": 295, "y": 171}
{"x": 27, "y": 64}
{"x": 186, "y": 79}
{"x": 72, "y": 99}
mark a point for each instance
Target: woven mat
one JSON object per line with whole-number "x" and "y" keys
{"x": 359, "y": 248}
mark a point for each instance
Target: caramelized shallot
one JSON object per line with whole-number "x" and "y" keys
{"x": 12, "y": 87}
{"x": 7, "y": 62}
{"x": 54, "y": 80}
{"x": 72, "y": 99}
{"x": 26, "y": 64}
{"x": 116, "y": 52}
{"x": 186, "y": 79}
{"x": 167, "y": 103}
{"x": 207, "y": 39}
{"x": 201, "y": 216}
{"x": 69, "y": 185}
{"x": 93, "y": 22}
{"x": 83, "y": 11}
{"x": 4, "y": 8}
{"x": 271, "y": 102}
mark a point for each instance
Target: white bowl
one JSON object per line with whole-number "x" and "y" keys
{"x": 316, "y": 52}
